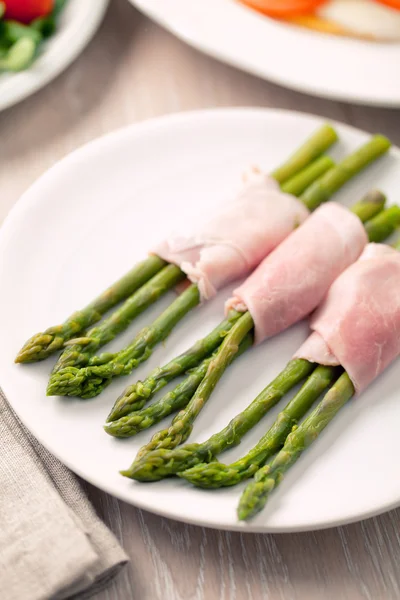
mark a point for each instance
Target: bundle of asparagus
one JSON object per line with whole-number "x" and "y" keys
{"x": 150, "y": 279}
{"x": 358, "y": 327}
{"x": 81, "y": 373}
{"x": 324, "y": 245}
{"x": 356, "y": 335}
{"x": 161, "y": 458}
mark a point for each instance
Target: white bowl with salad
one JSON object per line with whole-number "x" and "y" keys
{"x": 39, "y": 39}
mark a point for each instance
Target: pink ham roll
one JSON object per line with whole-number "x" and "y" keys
{"x": 358, "y": 324}
{"x": 291, "y": 282}
{"x": 235, "y": 241}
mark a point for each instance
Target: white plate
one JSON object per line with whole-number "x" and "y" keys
{"x": 92, "y": 216}
{"x": 321, "y": 65}
{"x": 78, "y": 22}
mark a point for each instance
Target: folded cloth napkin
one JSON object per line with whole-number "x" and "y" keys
{"x": 52, "y": 544}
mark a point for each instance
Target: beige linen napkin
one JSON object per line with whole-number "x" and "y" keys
{"x": 52, "y": 544}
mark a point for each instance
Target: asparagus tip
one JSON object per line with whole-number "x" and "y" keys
{"x": 383, "y": 140}
{"x": 126, "y": 473}
{"x": 111, "y": 430}
{"x": 374, "y": 197}
{"x": 331, "y": 130}
{"x": 113, "y": 415}
{"x": 242, "y": 514}
{"x": 39, "y": 347}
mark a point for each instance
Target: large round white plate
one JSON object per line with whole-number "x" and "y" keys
{"x": 321, "y": 65}
{"x": 91, "y": 217}
{"x": 78, "y": 22}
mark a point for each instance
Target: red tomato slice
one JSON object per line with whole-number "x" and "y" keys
{"x": 392, "y": 3}
{"x": 284, "y": 8}
{"x": 27, "y": 10}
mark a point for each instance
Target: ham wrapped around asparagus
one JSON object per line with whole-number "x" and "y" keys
{"x": 358, "y": 324}
{"x": 291, "y": 282}
{"x": 236, "y": 240}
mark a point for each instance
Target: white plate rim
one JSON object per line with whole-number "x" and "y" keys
{"x": 171, "y": 15}
{"x": 64, "y": 47}
{"x": 26, "y": 201}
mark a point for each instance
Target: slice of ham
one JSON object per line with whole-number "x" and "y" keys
{"x": 358, "y": 324}
{"x": 236, "y": 240}
{"x": 290, "y": 283}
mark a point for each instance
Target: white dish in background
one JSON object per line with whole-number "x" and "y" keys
{"x": 322, "y": 65}
{"x": 77, "y": 24}
{"x": 93, "y": 215}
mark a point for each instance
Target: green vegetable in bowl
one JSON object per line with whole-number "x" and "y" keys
{"x": 24, "y": 25}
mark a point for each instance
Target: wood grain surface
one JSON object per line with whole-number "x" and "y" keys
{"x": 131, "y": 71}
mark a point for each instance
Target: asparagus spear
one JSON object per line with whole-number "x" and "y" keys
{"x": 297, "y": 184}
{"x": 216, "y": 474}
{"x": 162, "y": 463}
{"x": 268, "y": 477}
{"x": 172, "y": 401}
{"x": 327, "y": 185}
{"x": 79, "y": 351}
{"x": 135, "y": 396}
{"x": 312, "y": 148}
{"x": 41, "y": 345}
{"x": 89, "y": 381}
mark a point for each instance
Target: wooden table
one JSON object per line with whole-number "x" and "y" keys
{"x": 131, "y": 71}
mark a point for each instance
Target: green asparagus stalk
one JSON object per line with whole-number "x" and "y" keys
{"x": 135, "y": 396}
{"x": 216, "y": 474}
{"x": 172, "y": 401}
{"x": 89, "y": 381}
{"x": 298, "y": 184}
{"x": 268, "y": 477}
{"x": 79, "y": 351}
{"x": 182, "y": 424}
{"x": 327, "y": 185}
{"x": 42, "y": 345}
{"x": 161, "y": 463}
{"x": 312, "y": 148}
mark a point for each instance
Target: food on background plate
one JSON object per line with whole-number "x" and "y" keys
{"x": 377, "y": 20}
{"x": 24, "y": 26}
